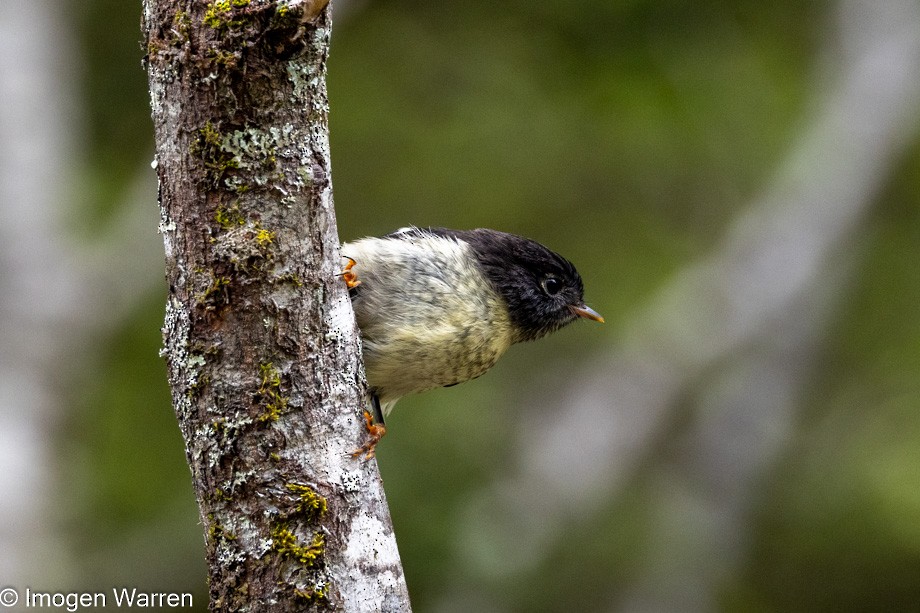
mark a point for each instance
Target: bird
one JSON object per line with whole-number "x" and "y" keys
{"x": 436, "y": 307}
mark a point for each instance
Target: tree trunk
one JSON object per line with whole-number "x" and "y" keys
{"x": 260, "y": 341}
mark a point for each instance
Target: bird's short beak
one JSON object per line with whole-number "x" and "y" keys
{"x": 587, "y": 312}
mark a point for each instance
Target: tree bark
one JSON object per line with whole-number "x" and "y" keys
{"x": 260, "y": 340}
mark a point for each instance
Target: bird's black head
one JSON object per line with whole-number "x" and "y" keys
{"x": 543, "y": 290}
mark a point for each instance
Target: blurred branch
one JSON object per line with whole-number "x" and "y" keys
{"x": 751, "y": 311}
{"x": 56, "y": 295}
{"x": 40, "y": 280}
{"x": 260, "y": 340}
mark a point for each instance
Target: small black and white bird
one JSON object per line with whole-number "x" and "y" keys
{"x": 438, "y": 307}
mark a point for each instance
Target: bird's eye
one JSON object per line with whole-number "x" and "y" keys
{"x": 552, "y": 285}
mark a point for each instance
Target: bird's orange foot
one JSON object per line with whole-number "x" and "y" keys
{"x": 369, "y": 449}
{"x": 351, "y": 278}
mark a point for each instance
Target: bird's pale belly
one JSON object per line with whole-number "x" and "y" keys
{"x": 431, "y": 357}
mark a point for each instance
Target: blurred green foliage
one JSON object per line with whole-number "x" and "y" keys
{"x": 115, "y": 103}
{"x": 128, "y": 496}
{"x": 625, "y": 135}
{"x": 838, "y": 529}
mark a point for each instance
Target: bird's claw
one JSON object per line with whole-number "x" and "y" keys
{"x": 350, "y": 277}
{"x": 369, "y": 449}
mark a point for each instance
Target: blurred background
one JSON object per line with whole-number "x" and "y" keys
{"x": 739, "y": 184}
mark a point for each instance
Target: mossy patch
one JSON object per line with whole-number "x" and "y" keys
{"x": 289, "y": 277}
{"x": 208, "y": 147}
{"x": 229, "y": 216}
{"x": 227, "y": 59}
{"x": 273, "y": 401}
{"x": 220, "y": 14}
{"x": 264, "y": 237}
{"x": 217, "y": 532}
{"x": 310, "y": 506}
{"x": 216, "y": 296}
{"x": 318, "y": 594}
{"x": 285, "y": 543}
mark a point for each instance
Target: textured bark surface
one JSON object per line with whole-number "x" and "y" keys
{"x": 260, "y": 342}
